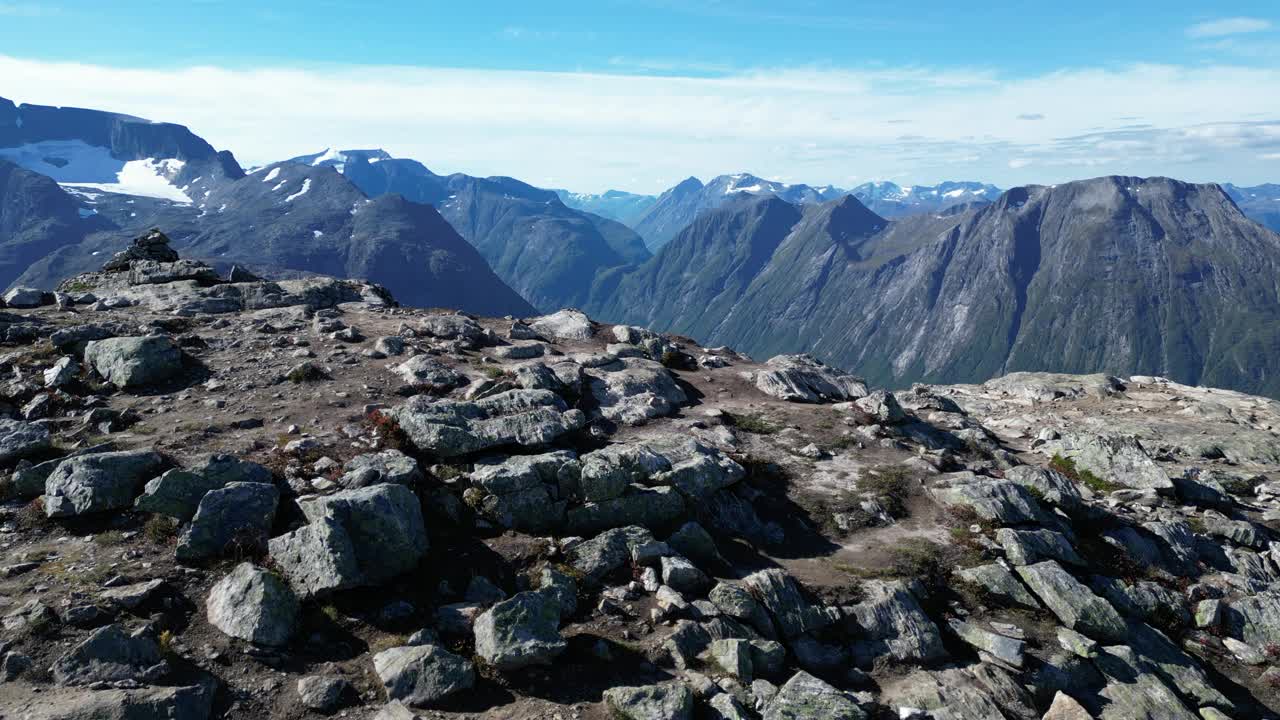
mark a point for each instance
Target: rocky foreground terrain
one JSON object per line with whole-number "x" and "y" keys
{"x": 234, "y": 498}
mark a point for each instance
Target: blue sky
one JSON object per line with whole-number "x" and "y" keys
{"x": 640, "y": 94}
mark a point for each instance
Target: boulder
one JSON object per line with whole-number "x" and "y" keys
{"x": 991, "y": 499}
{"x": 801, "y": 378}
{"x": 522, "y": 491}
{"x": 632, "y": 391}
{"x": 448, "y": 428}
{"x": 317, "y": 558}
{"x": 891, "y": 622}
{"x": 805, "y": 697}
{"x": 98, "y": 482}
{"x": 322, "y": 693}
{"x": 520, "y": 632}
{"x": 254, "y": 605}
{"x": 109, "y": 654}
{"x": 383, "y": 524}
{"x": 429, "y": 374}
{"x": 1056, "y": 488}
{"x": 1005, "y": 649}
{"x": 606, "y": 473}
{"x": 1025, "y": 547}
{"x": 567, "y": 324}
{"x": 601, "y": 555}
{"x": 882, "y": 406}
{"x": 665, "y": 701}
{"x": 453, "y": 327}
{"x": 1072, "y": 602}
{"x": 194, "y": 702}
{"x": 1118, "y": 459}
{"x": 178, "y": 492}
{"x": 781, "y": 596}
{"x": 25, "y": 297}
{"x": 1000, "y": 584}
{"x": 422, "y": 675}
{"x": 387, "y": 466}
{"x": 132, "y": 362}
{"x": 20, "y": 439}
{"x": 238, "y": 514}
{"x": 655, "y": 508}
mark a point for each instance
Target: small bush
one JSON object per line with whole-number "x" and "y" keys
{"x": 109, "y": 538}
{"x": 160, "y": 529}
{"x": 891, "y": 485}
{"x": 493, "y": 372}
{"x": 753, "y": 423}
{"x": 306, "y": 372}
{"x": 1241, "y": 486}
{"x": 165, "y": 641}
{"x": 31, "y": 516}
{"x": 1067, "y": 467}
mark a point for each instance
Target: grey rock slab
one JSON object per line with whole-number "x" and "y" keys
{"x": 632, "y": 391}
{"x": 567, "y": 324}
{"x": 801, "y": 378}
{"x": 1026, "y": 547}
{"x": 109, "y": 654}
{"x": 322, "y": 693}
{"x": 1000, "y": 583}
{"x": 891, "y": 622}
{"x": 610, "y": 550}
{"x": 1005, "y": 649}
{"x": 517, "y": 417}
{"x": 991, "y": 499}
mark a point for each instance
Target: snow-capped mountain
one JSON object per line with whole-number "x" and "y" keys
{"x": 547, "y": 251}
{"x": 625, "y": 207}
{"x": 98, "y": 179}
{"x": 678, "y": 207}
{"x": 891, "y": 200}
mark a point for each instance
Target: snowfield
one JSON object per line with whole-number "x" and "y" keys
{"x": 77, "y": 164}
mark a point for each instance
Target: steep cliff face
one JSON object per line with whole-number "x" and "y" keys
{"x": 1114, "y": 274}
{"x": 36, "y": 217}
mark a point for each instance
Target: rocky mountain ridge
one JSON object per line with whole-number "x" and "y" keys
{"x": 305, "y": 503}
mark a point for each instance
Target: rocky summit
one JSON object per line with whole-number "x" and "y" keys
{"x": 228, "y": 497}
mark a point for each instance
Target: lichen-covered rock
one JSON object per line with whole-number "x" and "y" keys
{"x": 998, "y": 582}
{"x": 528, "y": 418}
{"x": 387, "y": 466}
{"x": 383, "y": 524}
{"x": 805, "y": 697}
{"x": 606, "y": 473}
{"x": 132, "y": 362}
{"x": 891, "y": 622}
{"x": 317, "y": 558}
{"x": 429, "y": 374}
{"x": 655, "y": 508}
{"x": 665, "y": 701}
{"x": 1074, "y": 604}
{"x": 1025, "y": 547}
{"x": 98, "y": 482}
{"x": 781, "y": 596}
{"x": 422, "y": 675}
{"x": 520, "y": 632}
{"x": 801, "y": 378}
{"x": 253, "y": 604}
{"x": 601, "y": 555}
{"x": 238, "y": 514}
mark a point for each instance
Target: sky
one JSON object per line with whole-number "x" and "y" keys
{"x": 638, "y": 95}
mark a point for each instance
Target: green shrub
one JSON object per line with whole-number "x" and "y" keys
{"x": 891, "y": 485}
{"x": 1067, "y": 467}
{"x": 752, "y": 423}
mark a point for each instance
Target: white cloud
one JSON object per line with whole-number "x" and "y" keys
{"x": 1270, "y": 156}
{"x": 592, "y": 131}
{"x": 1228, "y": 26}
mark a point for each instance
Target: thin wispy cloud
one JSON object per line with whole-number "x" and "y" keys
{"x": 1228, "y": 26}
{"x": 593, "y": 131}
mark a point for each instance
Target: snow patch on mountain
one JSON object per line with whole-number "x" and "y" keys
{"x": 75, "y": 163}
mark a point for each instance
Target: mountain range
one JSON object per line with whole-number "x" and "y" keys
{"x": 1119, "y": 275}
{"x": 123, "y": 175}
{"x": 947, "y": 283}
